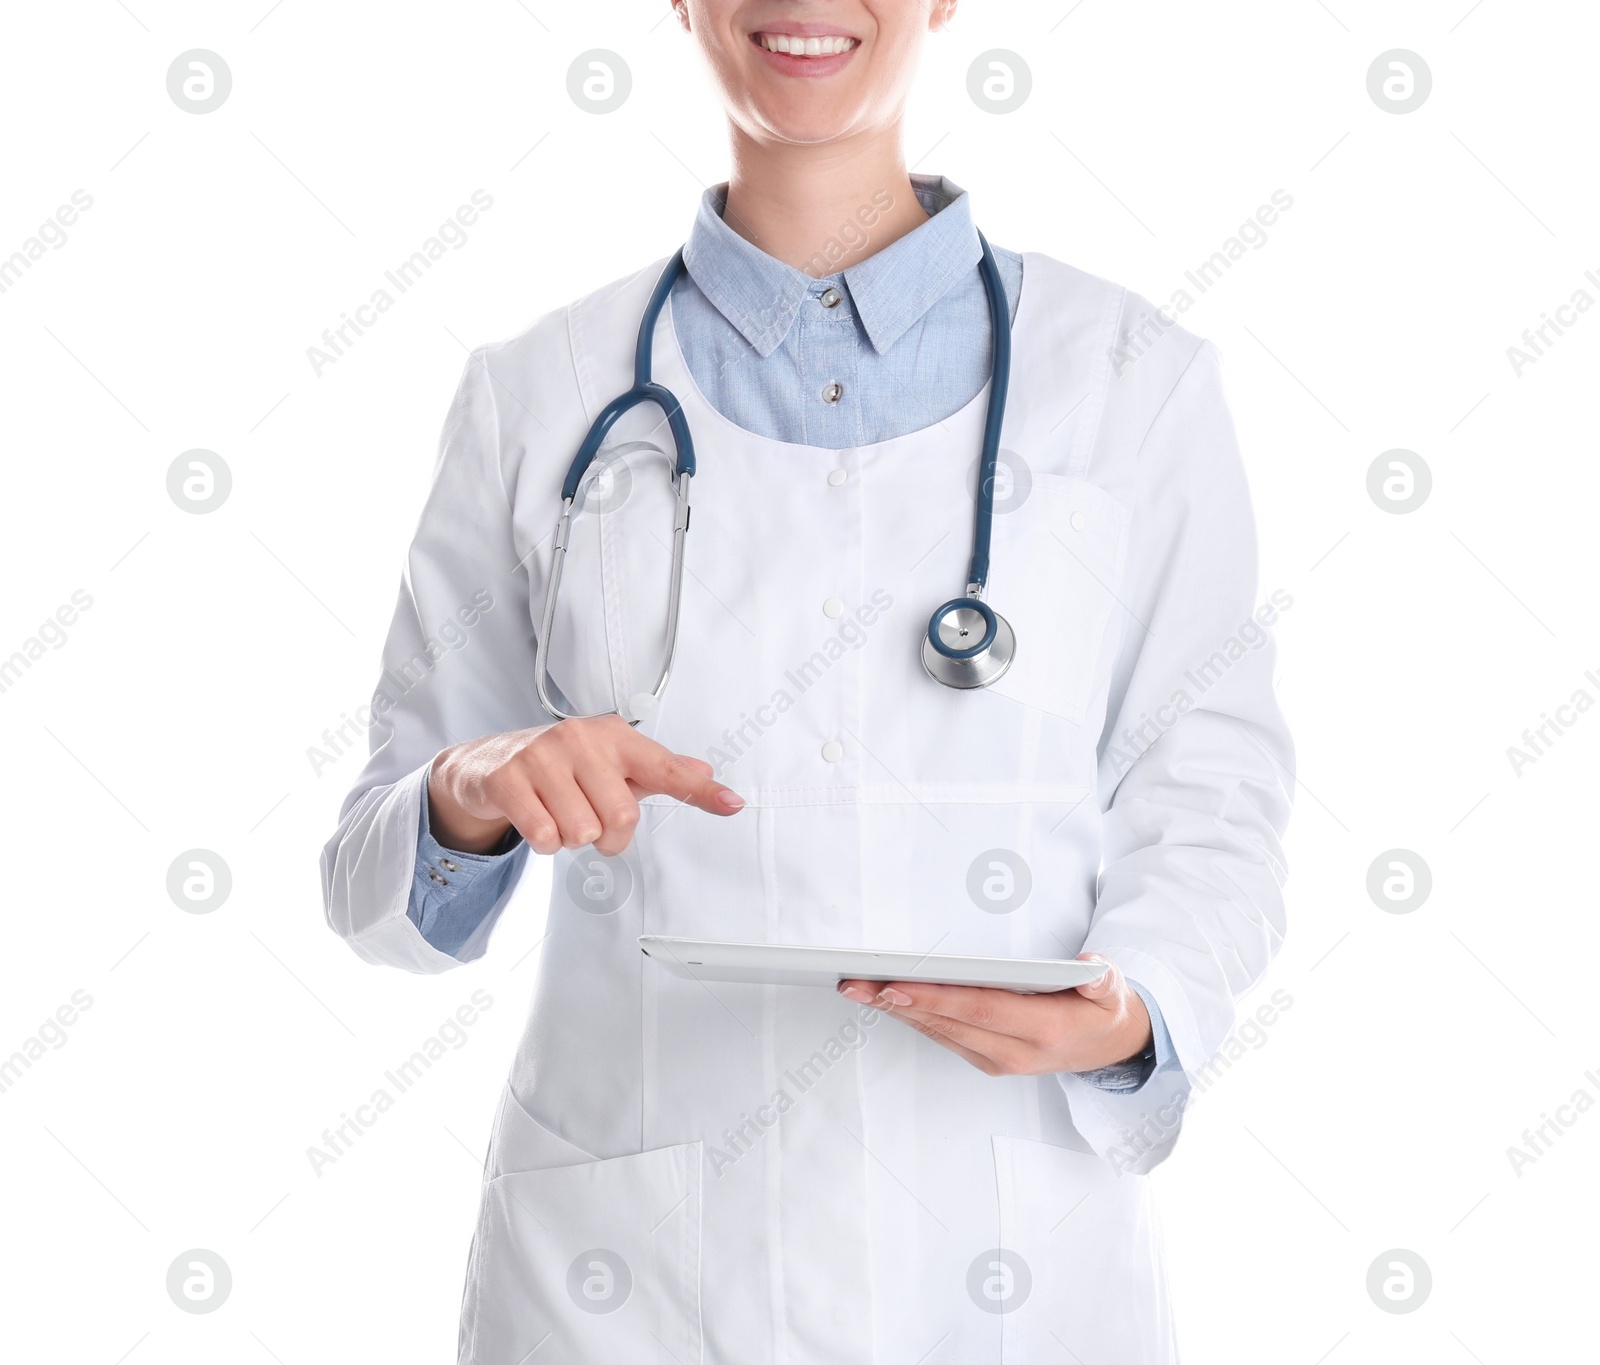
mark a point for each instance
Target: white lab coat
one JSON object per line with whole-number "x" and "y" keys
{"x": 729, "y": 1174}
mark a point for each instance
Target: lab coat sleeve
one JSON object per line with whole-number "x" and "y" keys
{"x": 1195, "y": 764}
{"x": 458, "y": 663}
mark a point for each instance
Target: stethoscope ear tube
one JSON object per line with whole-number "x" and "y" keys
{"x": 637, "y": 707}
{"x": 640, "y": 706}
{"x": 677, "y": 424}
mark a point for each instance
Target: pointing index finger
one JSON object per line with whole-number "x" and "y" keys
{"x": 654, "y": 768}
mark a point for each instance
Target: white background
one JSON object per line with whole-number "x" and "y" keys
{"x": 1377, "y": 1111}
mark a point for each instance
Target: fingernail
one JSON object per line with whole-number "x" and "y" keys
{"x": 855, "y": 993}
{"x": 890, "y": 996}
{"x": 731, "y": 800}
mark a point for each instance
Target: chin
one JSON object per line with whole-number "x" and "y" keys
{"x": 804, "y": 122}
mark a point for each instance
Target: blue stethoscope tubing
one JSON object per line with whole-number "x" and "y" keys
{"x": 945, "y": 653}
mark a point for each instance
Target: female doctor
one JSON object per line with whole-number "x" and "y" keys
{"x": 699, "y": 1172}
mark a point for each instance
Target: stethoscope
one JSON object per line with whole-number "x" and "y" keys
{"x": 968, "y": 643}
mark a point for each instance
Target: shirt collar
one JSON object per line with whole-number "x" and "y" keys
{"x": 891, "y": 290}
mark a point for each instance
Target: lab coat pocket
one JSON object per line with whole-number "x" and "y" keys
{"x": 1055, "y": 571}
{"x": 1075, "y": 1237}
{"x": 597, "y": 1262}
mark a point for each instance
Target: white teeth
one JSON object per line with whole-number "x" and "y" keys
{"x": 806, "y": 47}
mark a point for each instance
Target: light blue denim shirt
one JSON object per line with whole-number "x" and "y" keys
{"x": 891, "y": 345}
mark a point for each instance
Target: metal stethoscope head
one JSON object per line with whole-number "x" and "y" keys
{"x": 968, "y": 644}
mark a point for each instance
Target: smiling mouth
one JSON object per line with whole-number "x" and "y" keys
{"x": 795, "y": 45}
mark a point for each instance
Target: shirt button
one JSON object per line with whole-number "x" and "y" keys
{"x": 833, "y": 608}
{"x": 1079, "y": 521}
{"x": 449, "y": 866}
{"x": 833, "y": 393}
{"x": 836, "y": 477}
{"x": 832, "y": 751}
{"x": 436, "y": 879}
{"x": 830, "y": 297}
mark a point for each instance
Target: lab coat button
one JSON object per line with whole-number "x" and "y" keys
{"x": 833, "y": 608}
{"x": 833, "y": 393}
{"x": 836, "y": 477}
{"x": 832, "y": 751}
{"x": 1079, "y": 521}
{"x": 830, "y": 297}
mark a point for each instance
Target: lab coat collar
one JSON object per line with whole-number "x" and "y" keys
{"x": 891, "y": 290}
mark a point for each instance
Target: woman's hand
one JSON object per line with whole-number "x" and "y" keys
{"x": 1006, "y": 1034}
{"x": 565, "y": 785}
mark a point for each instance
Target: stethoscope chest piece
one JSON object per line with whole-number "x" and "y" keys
{"x": 968, "y": 644}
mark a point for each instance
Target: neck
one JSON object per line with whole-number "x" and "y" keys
{"x": 824, "y": 208}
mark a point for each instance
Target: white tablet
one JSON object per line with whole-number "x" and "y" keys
{"x": 783, "y": 964}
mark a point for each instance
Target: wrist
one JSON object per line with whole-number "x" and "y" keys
{"x": 451, "y": 824}
{"x": 1133, "y": 1040}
